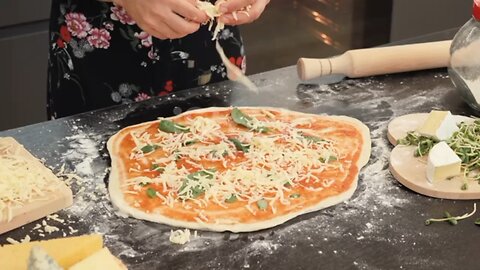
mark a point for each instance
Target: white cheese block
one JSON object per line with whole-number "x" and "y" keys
{"x": 100, "y": 260}
{"x": 439, "y": 124}
{"x": 40, "y": 260}
{"x": 442, "y": 163}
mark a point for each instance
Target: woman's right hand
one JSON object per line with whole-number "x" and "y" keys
{"x": 165, "y": 19}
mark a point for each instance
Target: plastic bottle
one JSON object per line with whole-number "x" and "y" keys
{"x": 464, "y": 68}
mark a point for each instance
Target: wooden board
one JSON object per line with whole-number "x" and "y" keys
{"x": 410, "y": 171}
{"x": 47, "y": 204}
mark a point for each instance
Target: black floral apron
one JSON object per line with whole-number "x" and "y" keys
{"x": 99, "y": 57}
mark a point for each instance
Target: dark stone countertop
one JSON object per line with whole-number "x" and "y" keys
{"x": 380, "y": 227}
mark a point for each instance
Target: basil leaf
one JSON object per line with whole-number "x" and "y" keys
{"x": 312, "y": 139}
{"x": 262, "y": 204}
{"x": 232, "y": 199}
{"x": 328, "y": 159}
{"x": 171, "y": 127}
{"x": 151, "y": 193}
{"x": 196, "y": 190}
{"x": 239, "y": 146}
{"x": 156, "y": 167}
{"x": 187, "y": 143}
{"x": 149, "y": 148}
{"x": 295, "y": 195}
{"x": 242, "y": 119}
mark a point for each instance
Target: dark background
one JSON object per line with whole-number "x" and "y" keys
{"x": 288, "y": 29}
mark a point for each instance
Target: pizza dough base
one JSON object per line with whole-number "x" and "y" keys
{"x": 116, "y": 194}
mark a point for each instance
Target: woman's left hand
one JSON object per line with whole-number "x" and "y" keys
{"x": 247, "y": 11}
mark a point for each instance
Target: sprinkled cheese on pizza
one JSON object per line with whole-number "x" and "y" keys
{"x": 258, "y": 162}
{"x": 21, "y": 181}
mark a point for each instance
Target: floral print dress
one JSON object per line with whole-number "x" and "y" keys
{"x": 99, "y": 57}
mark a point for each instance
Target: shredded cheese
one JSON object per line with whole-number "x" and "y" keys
{"x": 274, "y": 164}
{"x": 180, "y": 236}
{"x": 21, "y": 181}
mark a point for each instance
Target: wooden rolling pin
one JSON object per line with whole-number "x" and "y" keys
{"x": 376, "y": 61}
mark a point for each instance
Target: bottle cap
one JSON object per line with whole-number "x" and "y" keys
{"x": 476, "y": 9}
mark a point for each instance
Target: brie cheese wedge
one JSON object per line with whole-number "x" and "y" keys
{"x": 442, "y": 163}
{"x": 439, "y": 124}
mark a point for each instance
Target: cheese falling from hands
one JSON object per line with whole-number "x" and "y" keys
{"x": 21, "y": 181}
{"x": 274, "y": 164}
{"x": 233, "y": 72}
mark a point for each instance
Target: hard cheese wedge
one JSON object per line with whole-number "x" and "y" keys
{"x": 66, "y": 251}
{"x": 442, "y": 163}
{"x": 439, "y": 124}
{"x": 30, "y": 190}
{"x": 100, "y": 260}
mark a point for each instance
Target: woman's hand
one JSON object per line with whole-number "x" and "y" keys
{"x": 165, "y": 19}
{"x": 247, "y": 11}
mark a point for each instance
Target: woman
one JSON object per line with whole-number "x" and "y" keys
{"x": 103, "y": 54}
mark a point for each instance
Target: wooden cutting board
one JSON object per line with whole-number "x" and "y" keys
{"x": 410, "y": 171}
{"x": 39, "y": 206}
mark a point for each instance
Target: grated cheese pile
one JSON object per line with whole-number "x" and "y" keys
{"x": 275, "y": 164}
{"x": 21, "y": 181}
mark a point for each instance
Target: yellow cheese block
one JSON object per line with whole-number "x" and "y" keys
{"x": 100, "y": 260}
{"x": 66, "y": 251}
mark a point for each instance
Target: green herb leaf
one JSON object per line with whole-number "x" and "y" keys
{"x": 195, "y": 190}
{"x": 187, "y": 143}
{"x": 423, "y": 143}
{"x": 312, "y": 139}
{"x": 262, "y": 204}
{"x": 477, "y": 221}
{"x": 328, "y": 159}
{"x": 295, "y": 195}
{"x": 156, "y": 167}
{"x": 149, "y": 148}
{"x": 232, "y": 199}
{"x": 451, "y": 219}
{"x": 464, "y": 186}
{"x": 239, "y": 146}
{"x": 171, "y": 127}
{"x": 151, "y": 193}
{"x": 242, "y": 119}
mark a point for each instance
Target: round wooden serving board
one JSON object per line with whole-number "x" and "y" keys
{"x": 410, "y": 171}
